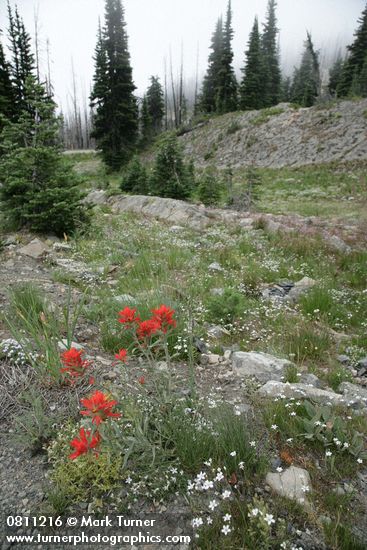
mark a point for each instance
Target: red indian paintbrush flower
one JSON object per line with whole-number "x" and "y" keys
{"x": 86, "y": 442}
{"x": 164, "y": 315}
{"x": 74, "y": 363}
{"x": 148, "y": 328}
{"x": 99, "y": 407}
{"x": 121, "y": 355}
{"x": 127, "y": 316}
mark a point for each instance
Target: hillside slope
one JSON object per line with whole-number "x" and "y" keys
{"x": 281, "y": 136}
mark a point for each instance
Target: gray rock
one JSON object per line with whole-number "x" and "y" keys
{"x": 338, "y": 244}
{"x": 299, "y": 391}
{"x": 363, "y": 363}
{"x": 262, "y": 366}
{"x": 97, "y": 196}
{"x": 215, "y": 266}
{"x": 36, "y": 249}
{"x": 300, "y": 288}
{"x": 63, "y": 345}
{"x": 310, "y": 379}
{"x": 217, "y": 332}
{"x": 354, "y": 394}
{"x": 343, "y": 359}
{"x": 210, "y": 359}
{"x": 293, "y": 483}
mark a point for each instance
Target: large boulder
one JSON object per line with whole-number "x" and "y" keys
{"x": 36, "y": 249}
{"x": 293, "y": 483}
{"x": 262, "y": 366}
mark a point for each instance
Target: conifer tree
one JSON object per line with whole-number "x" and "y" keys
{"x": 272, "y": 73}
{"x": 155, "y": 103}
{"x": 210, "y": 85}
{"x": 306, "y": 80}
{"x": 22, "y": 63}
{"x": 171, "y": 176}
{"x": 146, "y": 127}
{"x": 226, "y": 93}
{"x": 354, "y": 65}
{"x": 7, "y": 94}
{"x": 116, "y": 114}
{"x": 251, "y": 89}
{"x": 39, "y": 190}
{"x": 335, "y": 74}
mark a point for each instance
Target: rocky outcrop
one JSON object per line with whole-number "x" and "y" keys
{"x": 262, "y": 366}
{"x": 281, "y": 136}
{"x": 171, "y": 210}
{"x": 301, "y": 391}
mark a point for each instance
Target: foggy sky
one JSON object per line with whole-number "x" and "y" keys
{"x": 155, "y": 26}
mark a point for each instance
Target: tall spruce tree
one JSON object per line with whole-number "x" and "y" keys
{"x": 155, "y": 103}
{"x": 272, "y": 74}
{"x": 7, "y": 93}
{"x": 354, "y": 65}
{"x": 22, "y": 63}
{"x": 146, "y": 127}
{"x": 226, "y": 93}
{"x": 251, "y": 89}
{"x": 210, "y": 85}
{"x": 306, "y": 79}
{"x": 39, "y": 190}
{"x": 116, "y": 114}
{"x": 335, "y": 74}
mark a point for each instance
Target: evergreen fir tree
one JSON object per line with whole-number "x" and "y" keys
{"x": 116, "y": 114}
{"x": 7, "y": 94}
{"x": 135, "y": 179}
{"x": 100, "y": 79}
{"x": 210, "y": 85}
{"x": 354, "y": 65}
{"x": 272, "y": 73}
{"x": 22, "y": 64}
{"x": 171, "y": 176}
{"x": 226, "y": 93}
{"x": 146, "y": 126}
{"x": 285, "y": 94}
{"x": 335, "y": 74}
{"x": 251, "y": 88}
{"x": 39, "y": 190}
{"x": 155, "y": 103}
{"x": 209, "y": 188}
{"x": 306, "y": 79}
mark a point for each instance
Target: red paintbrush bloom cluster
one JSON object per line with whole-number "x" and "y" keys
{"x": 99, "y": 407}
{"x": 161, "y": 320}
{"x": 164, "y": 315}
{"x": 121, "y": 356}
{"x": 84, "y": 443}
{"x": 148, "y": 328}
{"x": 74, "y": 363}
{"x": 128, "y": 317}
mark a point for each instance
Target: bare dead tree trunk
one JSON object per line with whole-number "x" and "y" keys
{"x": 36, "y": 42}
{"x": 165, "y": 96}
{"x": 180, "y": 95}
{"x": 173, "y": 91}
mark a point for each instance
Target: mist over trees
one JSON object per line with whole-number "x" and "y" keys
{"x": 118, "y": 123}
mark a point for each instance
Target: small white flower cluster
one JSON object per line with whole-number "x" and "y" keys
{"x": 212, "y": 482}
{"x": 14, "y": 352}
